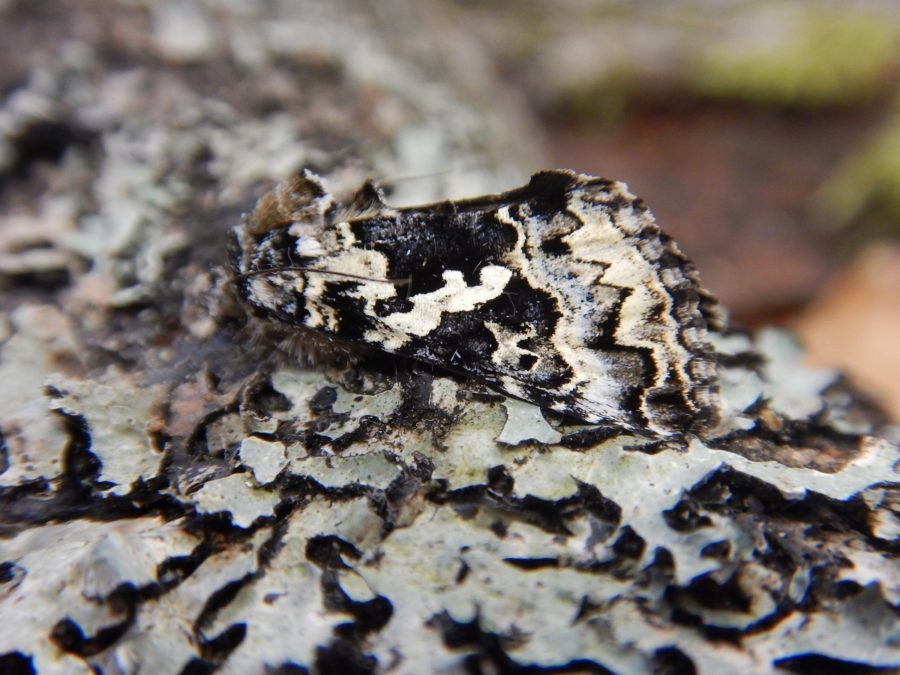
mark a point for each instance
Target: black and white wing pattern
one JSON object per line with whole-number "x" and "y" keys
{"x": 563, "y": 292}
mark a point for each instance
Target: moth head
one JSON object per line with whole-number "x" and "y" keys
{"x": 300, "y": 199}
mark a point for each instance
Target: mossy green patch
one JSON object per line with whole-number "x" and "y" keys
{"x": 802, "y": 59}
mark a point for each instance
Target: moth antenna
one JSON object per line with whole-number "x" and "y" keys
{"x": 347, "y": 275}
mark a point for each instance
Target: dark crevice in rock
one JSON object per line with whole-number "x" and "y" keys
{"x": 42, "y": 140}
{"x": 549, "y": 516}
{"x": 4, "y": 453}
{"x": 69, "y": 636}
{"x": 819, "y": 664}
{"x": 197, "y": 443}
{"x": 588, "y": 439}
{"x": 224, "y": 595}
{"x": 487, "y": 653}
{"x": 218, "y": 599}
{"x": 686, "y": 516}
{"x": 720, "y": 550}
{"x": 368, "y": 429}
{"x": 671, "y": 661}
{"x": 77, "y": 491}
{"x": 81, "y": 467}
{"x": 327, "y": 551}
{"x": 346, "y": 653}
{"x": 389, "y": 504}
{"x": 261, "y": 399}
{"x": 342, "y": 657}
{"x": 198, "y": 666}
{"x": 322, "y": 402}
{"x": 532, "y": 563}
{"x": 172, "y": 571}
{"x": 499, "y": 480}
{"x": 748, "y": 360}
{"x": 629, "y": 544}
{"x": 675, "y": 444}
{"x": 712, "y": 594}
{"x": 16, "y": 663}
{"x": 730, "y": 493}
{"x": 217, "y": 649}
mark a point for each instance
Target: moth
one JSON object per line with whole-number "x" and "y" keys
{"x": 563, "y": 292}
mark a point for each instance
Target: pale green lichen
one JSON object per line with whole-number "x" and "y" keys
{"x": 67, "y": 569}
{"x": 286, "y": 500}
{"x": 34, "y": 439}
{"x": 801, "y": 57}
{"x": 118, "y": 419}
{"x": 235, "y": 495}
{"x": 865, "y": 188}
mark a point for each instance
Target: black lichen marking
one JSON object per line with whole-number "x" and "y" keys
{"x": 69, "y": 636}
{"x": 811, "y": 663}
{"x": 629, "y": 544}
{"x": 42, "y": 140}
{"x": 686, "y": 516}
{"x": 672, "y": 661}
{"x": 487, "y": 651}
{"x": 4, "y": 453}
{"x": 16, "y": 663}
{"x": 563, "y": 292}
{"x": 345, "y": 653}
{"x": 345, "y": 657}
{"x": 217, "y": 649}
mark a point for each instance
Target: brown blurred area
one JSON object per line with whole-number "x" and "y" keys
{"x": 765, "y": 136}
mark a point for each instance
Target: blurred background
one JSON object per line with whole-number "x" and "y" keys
{"x": 764, "y": 135}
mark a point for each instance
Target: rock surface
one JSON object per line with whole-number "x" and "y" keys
{"x": 175, "y": 499}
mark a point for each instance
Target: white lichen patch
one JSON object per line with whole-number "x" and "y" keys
{"x": 792, "y": 387}
{"x": 73, "y": 567}
{"x": 470, "y": 448}
{"x": 225, "y": 432}
{"x": 526, "y": 422}
{"x": 188, "y": 497}
{"x": 353, "y": 520}
{"x": 642, "y": 485}
{"x": 299, "y": 386}
{"x": 264, "y": 458}
{"x": 24, "y": 247}
{"x": 34, "y": 439}
{"x": 874, "y": 568}
{"x": 162, "y": 639}
{"x": 119, "y": 420}
{"x": 865, "y": 631}
{"x": 425, "y": 565}
{"x": 372, "y": 469}
{"x": 357, "y": 406}
{"x": 290, "y": 587}
{"x": 236, "y": 495}
{"x": 182, "y": 32}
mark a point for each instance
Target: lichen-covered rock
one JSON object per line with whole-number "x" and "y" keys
{"x": 174, "y": 497}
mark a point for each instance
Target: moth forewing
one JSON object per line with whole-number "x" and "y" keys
{"x": 563, "y": 292}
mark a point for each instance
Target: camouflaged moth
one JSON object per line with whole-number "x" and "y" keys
{"x": 563, "y": 292}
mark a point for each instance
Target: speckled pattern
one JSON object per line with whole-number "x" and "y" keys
{"x": 564, "y": 292}
{"x": 178, "y": 496}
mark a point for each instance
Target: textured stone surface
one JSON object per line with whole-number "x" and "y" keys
{"x": 175, "y": 497}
